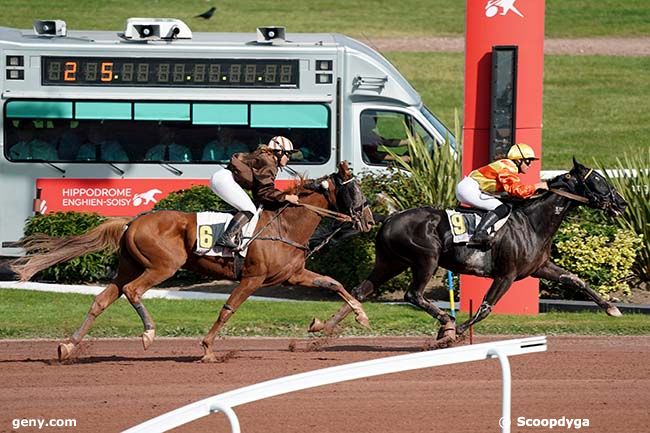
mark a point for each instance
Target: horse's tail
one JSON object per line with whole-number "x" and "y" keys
{"x": 43, "y": 251}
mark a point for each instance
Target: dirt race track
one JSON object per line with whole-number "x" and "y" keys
{"x": 114, "y": 385}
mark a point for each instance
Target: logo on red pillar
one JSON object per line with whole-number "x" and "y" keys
{"x": 492, "y": 7}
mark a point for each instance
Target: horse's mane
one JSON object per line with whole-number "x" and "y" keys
{"x": 304, "y": 186}
{"x": 298, "y": 185}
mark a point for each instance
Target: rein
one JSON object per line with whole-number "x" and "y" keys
{"x": 327, "y": 213}
{"x": 569, "y": 195}
{"x": 319, "y": 211}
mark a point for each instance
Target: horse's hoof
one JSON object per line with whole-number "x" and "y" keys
{"x": 65, "y": 350}
{"x": 209, "y": 357}
{"x": 614, "y": 311}
{"x": 362, "y": 320}
{"x": 316, "y": 325}
{"x": 450, "y": 333}
{"x": 148, "y": 337}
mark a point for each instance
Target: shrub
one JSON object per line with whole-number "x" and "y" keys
{"x": 597, "y": 251}
{"x": 87, "y": 268}
{"x": 634, "y": 184}
{"x": 198, "y": 198}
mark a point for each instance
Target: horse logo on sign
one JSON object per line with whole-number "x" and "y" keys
{"x": 146, "y": 197}
{"x": 492, "y": 7}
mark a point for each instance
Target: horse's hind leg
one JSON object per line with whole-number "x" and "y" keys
{"x": 126, "y": 271}
{"x": 134, "y": 291}
{"x": 423, "y": 270}
{"x": 101, "y": 302}
{"x": 308, "y": 278}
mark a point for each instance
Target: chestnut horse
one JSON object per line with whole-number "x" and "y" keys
{"x": 153, "y": 246}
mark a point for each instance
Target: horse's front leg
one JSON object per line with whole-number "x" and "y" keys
{"x": 552, "y": 272}
{"x": 498, "y": 288}
{"x": 246, "y": 287}
{"x": 308, "y": 278}
{"x": 360, "y": 293}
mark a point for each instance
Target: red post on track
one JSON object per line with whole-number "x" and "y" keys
{"x": 516, "y": 26}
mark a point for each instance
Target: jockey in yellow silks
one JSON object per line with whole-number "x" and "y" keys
{"x": 479, "y": 187}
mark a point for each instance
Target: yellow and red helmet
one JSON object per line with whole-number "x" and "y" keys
{"x": 521, "y": 151}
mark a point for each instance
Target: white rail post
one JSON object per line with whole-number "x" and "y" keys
{"x": 506, "y": 398}
{"x": 230, "y": 414}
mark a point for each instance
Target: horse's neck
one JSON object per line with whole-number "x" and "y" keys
{"x": 298, "y": 223}
{"x": 547, "y": 213}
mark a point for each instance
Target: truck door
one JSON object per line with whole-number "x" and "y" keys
{"x": 378, "y": 129}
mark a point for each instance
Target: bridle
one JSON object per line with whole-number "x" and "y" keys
{"x": 327, "y": 213}
{"x": 591, "y": 194}
{"x": 355, "y": 212}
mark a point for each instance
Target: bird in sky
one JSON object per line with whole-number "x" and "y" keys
{"x": 207, "y": 14}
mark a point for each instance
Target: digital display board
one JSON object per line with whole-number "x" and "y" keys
{"x": 167, "y": 72}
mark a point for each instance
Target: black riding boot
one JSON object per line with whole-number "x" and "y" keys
{"x": 229, "y": 236}
{"x": 481, "y": 236}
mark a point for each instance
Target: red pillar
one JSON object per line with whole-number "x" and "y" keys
{"x": 514, "y": 23}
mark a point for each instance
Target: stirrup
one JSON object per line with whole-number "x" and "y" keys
{"x": 480, "y": 238}
{"x": 227, "y": 243}
{"x": 484, "y": 242}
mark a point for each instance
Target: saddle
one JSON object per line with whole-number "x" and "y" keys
{"x": 210, "y": 225}
{"x": 463, "y": 223}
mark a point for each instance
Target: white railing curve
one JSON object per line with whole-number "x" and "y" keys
{"x": 225, "y": 402}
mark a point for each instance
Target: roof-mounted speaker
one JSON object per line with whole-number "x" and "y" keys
{"x": 154, "y": 29}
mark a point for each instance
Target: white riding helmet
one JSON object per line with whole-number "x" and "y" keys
{"x": 281, "y": 143}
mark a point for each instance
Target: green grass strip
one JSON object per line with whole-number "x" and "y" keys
{"x": 28, "y": 314}
{"x": 591, "y": 103}
{"x": 374, "y": 18}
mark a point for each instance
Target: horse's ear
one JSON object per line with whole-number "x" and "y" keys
{"x": 344, "y": 171}
{"x": 576, "y": 164}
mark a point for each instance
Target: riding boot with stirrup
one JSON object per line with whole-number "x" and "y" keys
{"x": 481, "y": 236}
{"x": 228, "y": 238}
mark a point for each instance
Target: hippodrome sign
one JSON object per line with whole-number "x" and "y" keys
{"x": 158, "y": 109}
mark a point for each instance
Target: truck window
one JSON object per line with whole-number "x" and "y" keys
{"x": 160, "y": 132}
{"x": 382, "y": 130}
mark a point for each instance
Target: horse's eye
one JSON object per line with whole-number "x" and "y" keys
{"x": 567, "y": 176}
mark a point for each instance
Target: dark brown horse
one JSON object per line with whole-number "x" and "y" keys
{"x": 152, "y": 247}
{"x": 421, "y": 239}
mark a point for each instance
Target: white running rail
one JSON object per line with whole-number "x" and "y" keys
{"x": 358, "y": 370}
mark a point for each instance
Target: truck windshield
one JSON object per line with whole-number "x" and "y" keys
{"x": 439, "y": 126}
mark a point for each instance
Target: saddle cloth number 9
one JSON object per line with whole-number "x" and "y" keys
{"x": 458, "y": 225}
{"x": 459, "y": 228}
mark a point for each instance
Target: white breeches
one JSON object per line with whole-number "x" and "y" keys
{"x": 223, "y": 184}
{"x": 469, "y": 192}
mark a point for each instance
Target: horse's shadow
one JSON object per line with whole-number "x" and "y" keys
{"x": 303, "y": 346}
{"x": 103, "y": 359}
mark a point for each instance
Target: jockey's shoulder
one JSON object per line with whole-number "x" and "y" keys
{"x": 506, "y": 164}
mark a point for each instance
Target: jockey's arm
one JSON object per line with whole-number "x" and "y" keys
{"x": 264, "y": 189}
{"x": 512, "y": 184}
